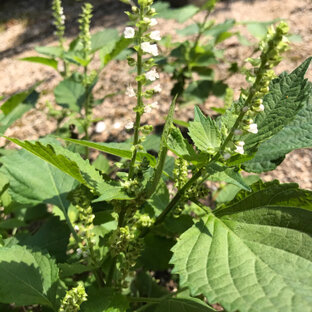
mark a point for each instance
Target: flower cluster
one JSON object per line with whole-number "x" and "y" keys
{"x": 73, "y": 299}
{"x": 84, "y": 27}
{"x": 261, "y": 75}
{"x": 145, "y": 40}
{"x": 59, "y": 20}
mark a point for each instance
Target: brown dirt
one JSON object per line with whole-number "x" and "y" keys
{"x": 20, "y": 35}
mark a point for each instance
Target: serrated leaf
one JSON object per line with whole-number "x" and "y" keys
{"x": 185, "y": 304}
{"x": 288, "y": 94}
{"x": 104, "y": 300}
{"x": 117, "y": 149}
{"x": 41, "y": 60}
{"x": 70, "y": 94}
{"x": 27, "y": 277}
{"x": 297, "y": 134}
{"x": 26, "y": 174}
{"x": 253, "y": 254}
{"x": 204, "y": 132}
{"x": 66, "y": 161}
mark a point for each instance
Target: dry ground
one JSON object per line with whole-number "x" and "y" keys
{"x": 26, "y": 24}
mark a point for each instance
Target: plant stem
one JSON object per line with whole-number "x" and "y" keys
{"x": 139, "y": 101}
{"x": 71, "y": 228}
{"x": 201, "y": 30}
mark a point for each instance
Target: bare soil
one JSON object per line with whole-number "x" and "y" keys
{"x": 26, "y": 24}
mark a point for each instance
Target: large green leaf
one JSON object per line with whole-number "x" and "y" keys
{"x": 117, "y": 149}
{"x": 33, "y": 181}
{"x": 27, "y": 277}
{"x": 297, "y": 134}
{"x": 104, "y": 300}
{"x": 16, "y": 107}
{"x": 50, "y": 51}
{"x": 70, "y": 94}
{"x": 186, "y": 304}
{"x": 253, "y": 254}
{"x": 288, "y": 94}
{"x": 204, "y": 132}
{"x": 66, "y": 161}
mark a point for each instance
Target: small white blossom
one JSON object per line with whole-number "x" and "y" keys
{"x": 238, "y": 132}
{"x": 152, "y": 11}
{"x": 129, "y": 125}
{"x": 129, "y": 32}
{"x": 152, "y": 75}
{"x": 149, "y": 48}
{"x": 147, "y": 20}
{"x": 130, "y": 92}
{"x": 147, "y": 109}
{"x": 100, "y": 127}
{"x": 76, "y": 227}
{"x": 226, "y": 156}
{"x": 155, "y": 35}
{"x": 157, "y": 88}
{"x": 252, "y": 128}
{"x": 260, "y": 108}
{"x": 79, "y": 251}
{"x": 117, "y": 125}
{"x": 240, "y": 147}
{"x": 153, "y": 22}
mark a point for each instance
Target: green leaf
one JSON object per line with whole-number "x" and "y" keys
{"x": 52, "y": 236}
{"x": 50, "y": 51}
{"x": 41, "y": 60}
{"x": 16, "y": 108}
{"x": 297, "y": 134}
{"x": 102, "y": 38}
{"x": 186, "y": 304}
{"x": 288, "y": 95}
{"x": 204, "y": 132}
{"x": 66, "y": 161}
{"x": 252, "y": 254}
{"x": 259, "y": 29}
{"x": 104, "y": 300}
{"x": 70, "y": 94}
{"x": 218, "y": 31}
{"x": 27, "y": 277}
{"x": 181, "y": 15}
{"x": 26, "y": 174}
{"x": 117, "y": 149}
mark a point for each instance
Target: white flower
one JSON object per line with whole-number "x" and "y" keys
{"x": 129, "y": 125}
{"x": 226, "y": 156}
{"x": 238, "y": 132}
{"x": 117, "y": 125}
{"x": 152, "y": 75}
{"x": 154, "y": 105}
{"x": 155, "y": 35}
{"x": 260, "y": 108}
{"x": 130, "y": 92}
{"x": 252, "y": 128}
{"x": 240, "y": 147}
{"x": 153, "y": 22}
{"x": 147, "y": 109}
{"x": 79, "y": 251}
{"x": 100, "y": 127}
{"x": 147, "y": 20}
{"x": 149, "y": 48}
{"x": 76, "y": 227}
{"x": 157, "y": 88}
{"x": 129, "y": 32}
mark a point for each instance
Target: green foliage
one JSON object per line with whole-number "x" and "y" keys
{"x": 27, "y": 277}
{"x": 84, "y": 231}
{"x": 260, "y": 240}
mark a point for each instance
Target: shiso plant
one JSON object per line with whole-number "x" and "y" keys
{"x": 76, "y": 236}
